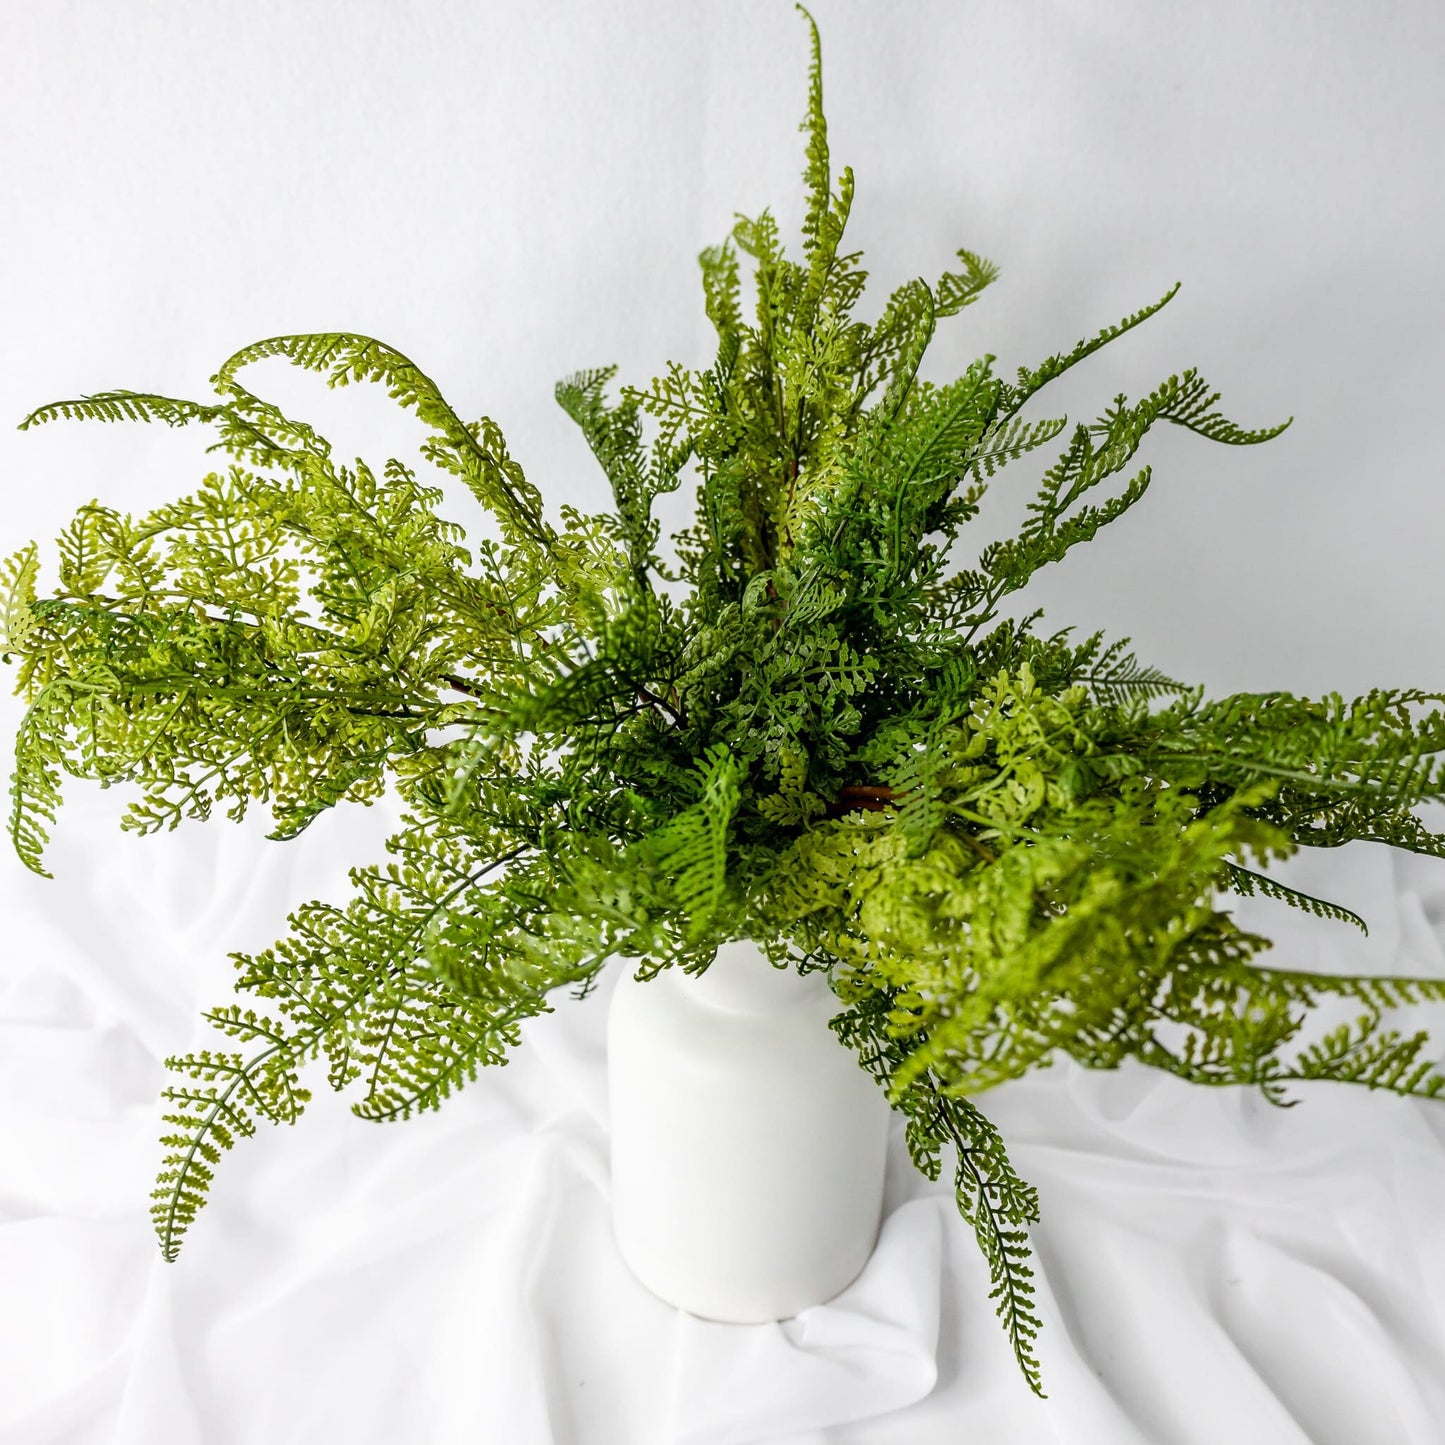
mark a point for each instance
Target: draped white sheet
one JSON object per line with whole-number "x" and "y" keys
{"x": 1209, "y": 1268}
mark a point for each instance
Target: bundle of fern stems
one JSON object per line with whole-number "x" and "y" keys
{"x": 805, "y": 722}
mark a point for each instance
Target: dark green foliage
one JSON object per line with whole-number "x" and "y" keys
{"x": 807, "y": 723}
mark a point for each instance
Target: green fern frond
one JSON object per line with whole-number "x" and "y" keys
{"x": 1187, "y": 401}
{"x": 817, "y": 175}
{"x": 115, "y": 406}
{"x": 1114, "y": 675}
{"x": 474, "y": 452}
{"x": 914, "y": 339}
{"x": 240, "y": 434}
{"x": 1363, "y": 1053}
{"x": 86, "y": 549}
{"x": 40, "y": 756}
{"x": 956, "y": 289}
{"x": 1246, "y": 882}
{"x": 690, "y": 852}
{"x": 206, "y": 1120}
{"x": 18, "y": 576}
{"x": 792, "y": 806}
{"x": 1000, "y": 1206}
{"x": 614, "y": 434}
{"x": 1033, "y": 380}
{"x": 1010, "y": 439}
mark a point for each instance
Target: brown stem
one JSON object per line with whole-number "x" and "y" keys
{"x": 458, "y": 684}
{"x": 652, "y": 699}
{"x": 862, "y": 795}
{"x": 793, "y": 470}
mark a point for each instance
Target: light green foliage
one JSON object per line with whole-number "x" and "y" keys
{"x": 811, "y": 726}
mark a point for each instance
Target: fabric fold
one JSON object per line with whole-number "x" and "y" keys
{"x": 869, "y": 1351}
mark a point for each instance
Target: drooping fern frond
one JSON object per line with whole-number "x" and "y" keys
{"x": 242, "y": 428}
{"x": 124, "y": 406}
{"x": 1000, "y": 1206}
{"x": 1246, "y": 882}
{"x": 988, "y": 1190}
{"x": 1187, "y": 401}
{"x": 40, "y": 756}
{"x": 207, "y": 1116}
{"x": 405, "y": 993}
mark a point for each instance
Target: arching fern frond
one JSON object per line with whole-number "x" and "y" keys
{"x": 207, "y": 1117}
{"x": 1187, "y": 401}
{"x": 112, "y": 406}
{"x": 1246, "y": 882}
{"x": 240, "y": 433}
{"x": 1032, "y": 380}
{"x": 474, "y": 452}
{"x": 956, "y": 289}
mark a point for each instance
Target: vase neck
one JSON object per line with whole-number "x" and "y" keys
{"x": 741, "y": 980}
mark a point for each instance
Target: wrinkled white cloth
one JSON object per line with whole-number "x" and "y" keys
{"x": 1209, "y": 1268}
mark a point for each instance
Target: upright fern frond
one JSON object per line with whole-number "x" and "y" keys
{"x": 18, "y": 576}
{"x": 690, "y": 852}
{"x": 817, "y": 175}
{"x": 956, "y": 289}
{"x": 1032, "y": 380}
{"x": 615, "y": 436}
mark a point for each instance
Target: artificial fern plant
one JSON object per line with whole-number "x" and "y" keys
{"x": 803, "y": 723}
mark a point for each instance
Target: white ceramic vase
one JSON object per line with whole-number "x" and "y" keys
{"x": 748, "y": 1145}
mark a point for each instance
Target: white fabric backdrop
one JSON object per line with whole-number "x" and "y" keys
{"x": 507, "y": 191}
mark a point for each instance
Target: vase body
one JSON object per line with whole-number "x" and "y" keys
{"x": 748, "y": 1145}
